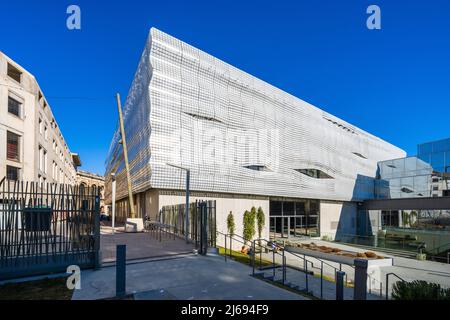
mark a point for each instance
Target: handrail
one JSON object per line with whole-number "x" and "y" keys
{"x": 387, "y": 282}
{"x": 435, "y": 250}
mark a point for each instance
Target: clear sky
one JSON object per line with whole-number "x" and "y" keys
{"x": 393, "y": 82}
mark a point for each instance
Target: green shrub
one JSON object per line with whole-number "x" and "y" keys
{"x": 261, "y": 220}
{"x": 230, "y": 223}
{"x": 419, "y": 290}
{"x": 249, "y": 225}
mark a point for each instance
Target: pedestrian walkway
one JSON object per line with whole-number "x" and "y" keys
{"x": 142, "y": 245}
{"x": 192, "y": 277}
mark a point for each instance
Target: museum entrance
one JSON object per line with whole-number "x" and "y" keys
{"x": 294, "y": 218}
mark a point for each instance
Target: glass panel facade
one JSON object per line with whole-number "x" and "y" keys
{"x": 404, "y": 178}
{"x": 294, "y": 218}
{"x": 437, "y": 153}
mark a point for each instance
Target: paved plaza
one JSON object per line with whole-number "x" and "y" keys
{"x": 191, "y": 277}
{"x": 142, "y": 245}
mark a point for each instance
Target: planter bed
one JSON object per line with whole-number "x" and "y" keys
{"x": 338, "y": 255}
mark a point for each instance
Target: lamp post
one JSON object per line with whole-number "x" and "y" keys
{"x": 113, "y": 191}
{"x": 188, "y": 174}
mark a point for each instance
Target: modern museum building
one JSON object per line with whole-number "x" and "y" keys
{"x": 245, "y": 142}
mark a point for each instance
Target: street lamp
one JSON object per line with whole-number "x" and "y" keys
{"x": 113, "y": 191}
{"x": 187, "y": 199}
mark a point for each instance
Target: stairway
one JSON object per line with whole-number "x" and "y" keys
{"x": 296, "y": 279}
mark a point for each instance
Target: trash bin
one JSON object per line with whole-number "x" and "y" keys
{"x": 38, "y": 218}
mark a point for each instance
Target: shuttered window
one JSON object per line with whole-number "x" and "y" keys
{"x": 12, "y": 146}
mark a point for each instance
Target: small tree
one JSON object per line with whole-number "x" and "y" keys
{"x": 249, "y": 226}
{"x": 230, "y": 223}
{"x": 260, "y": 220}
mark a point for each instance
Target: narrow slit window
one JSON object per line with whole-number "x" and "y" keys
{"x": 314, "y": 173}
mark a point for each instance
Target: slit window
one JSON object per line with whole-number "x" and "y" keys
{"x": 257, "y": 168}
{"x": 359, "y": 155}
{"x": 314, "y": 173}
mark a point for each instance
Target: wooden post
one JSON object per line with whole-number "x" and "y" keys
{"x": 125, "y": 156}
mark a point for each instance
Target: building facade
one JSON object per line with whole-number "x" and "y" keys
{"x": 425, "y": 175}
{"x": 245, "y": 142}
{"x": 32, "y": 147}
{"x": 92, "y": 180}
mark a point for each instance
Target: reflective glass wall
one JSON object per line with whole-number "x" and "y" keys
{"x": 294, "y": 218}
{"x": 436, "y": 153}
{"x": 404, "y": 178}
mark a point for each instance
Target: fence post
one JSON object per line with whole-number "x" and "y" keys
{"x": 340, "y": 285}
{"x": 306, "y": 272}
{"x": 225, "y": 236}
{"x": 273, "y": 260}
{"x": 321, "y": 279}
{"x": 121, "y": 270}
{"x": 253, "y": 257}
{"x": 360, "y": 289}
{"x": 284, "y": 267}
{"x": 97, "y": 262}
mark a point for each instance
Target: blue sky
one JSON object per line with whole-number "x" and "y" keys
{"x": 393, "y": 83}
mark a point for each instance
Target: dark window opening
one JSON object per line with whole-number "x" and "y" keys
{"x": 314, "y": 173}
{"x": 407, "y": 190}
{"x": 14, "y": 106}
{"x": 12, "y": 146}
{"x": 359, "y": 155}
{"x": 257, "y": 168}
{"x": 14, "y": 73}
{"x": 389, "y": 218}
{"x": 202, "y": 117}
{"x": 12, "y": 173}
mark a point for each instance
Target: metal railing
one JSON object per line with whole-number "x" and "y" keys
{"x": 45, "y": 226}
{"x": 387, "y": 282}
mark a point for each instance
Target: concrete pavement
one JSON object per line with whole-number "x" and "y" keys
{"x": 193, "y": 277}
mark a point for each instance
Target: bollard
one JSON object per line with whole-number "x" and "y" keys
{"x": 340, "y": 285}
{"x": 360, "y": 289}
{"x": 121, "y": 270}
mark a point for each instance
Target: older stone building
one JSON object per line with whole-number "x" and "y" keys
{"x": 32, "y": 147}
{"x": 89, "y": 179}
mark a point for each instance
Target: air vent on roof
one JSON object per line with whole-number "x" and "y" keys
{"x": 314, "y": 173}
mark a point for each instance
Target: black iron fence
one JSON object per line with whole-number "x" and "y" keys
{"x": 45, "y": 228}
{"x": 202, "y": 222}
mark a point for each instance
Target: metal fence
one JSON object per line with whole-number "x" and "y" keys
{"x": 44, "y": 228}
{"x": 202, "y": 216}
